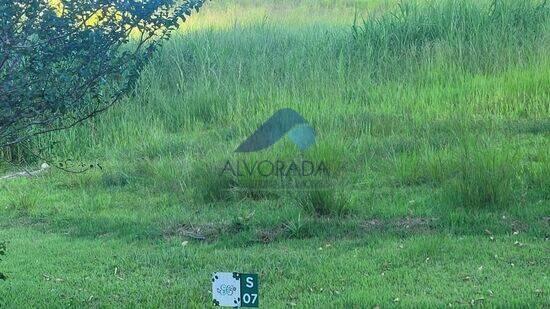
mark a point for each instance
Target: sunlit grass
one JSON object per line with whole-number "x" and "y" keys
{"x": 437, "y": 139}
{"x": 229, "y": 14}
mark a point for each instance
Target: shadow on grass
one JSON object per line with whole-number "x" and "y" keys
{"x": 246, "y": 233}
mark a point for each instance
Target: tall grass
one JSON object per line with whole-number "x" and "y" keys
{"x": 477, "y": 36}
{"x": 486, "y": 177}
{"x": 391, "y": 97}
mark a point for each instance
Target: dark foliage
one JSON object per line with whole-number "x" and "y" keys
{"x": 62, "y": 62}
{"x": 2, "y": 253}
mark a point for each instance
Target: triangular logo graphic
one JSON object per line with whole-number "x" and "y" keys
{"x": 284, "y": 121}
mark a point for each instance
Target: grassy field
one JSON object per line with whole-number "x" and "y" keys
{"x": 433, "y": 120}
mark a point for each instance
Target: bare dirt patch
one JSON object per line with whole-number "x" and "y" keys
{"x": 209, "y": 231}
{"x": 270, "y": 235}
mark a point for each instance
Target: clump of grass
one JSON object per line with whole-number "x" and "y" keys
{"x": 426, "y": 168}
{"x": 485, "y": 177}
{"x": 115, "y": 179}
{"x": 537, "y": 179}
{"x": 24, "y": 203}
{"x": 324, "y": 202}
{"x": 209, "y": 183}
{"x": 295, "y": 228}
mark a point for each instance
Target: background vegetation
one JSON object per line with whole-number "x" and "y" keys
{"x": 434, "y": 117}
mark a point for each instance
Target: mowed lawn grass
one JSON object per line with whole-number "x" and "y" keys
{"x": 434, "y": 121}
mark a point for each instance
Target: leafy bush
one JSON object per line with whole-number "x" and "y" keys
{"x": 65, "y": 61}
